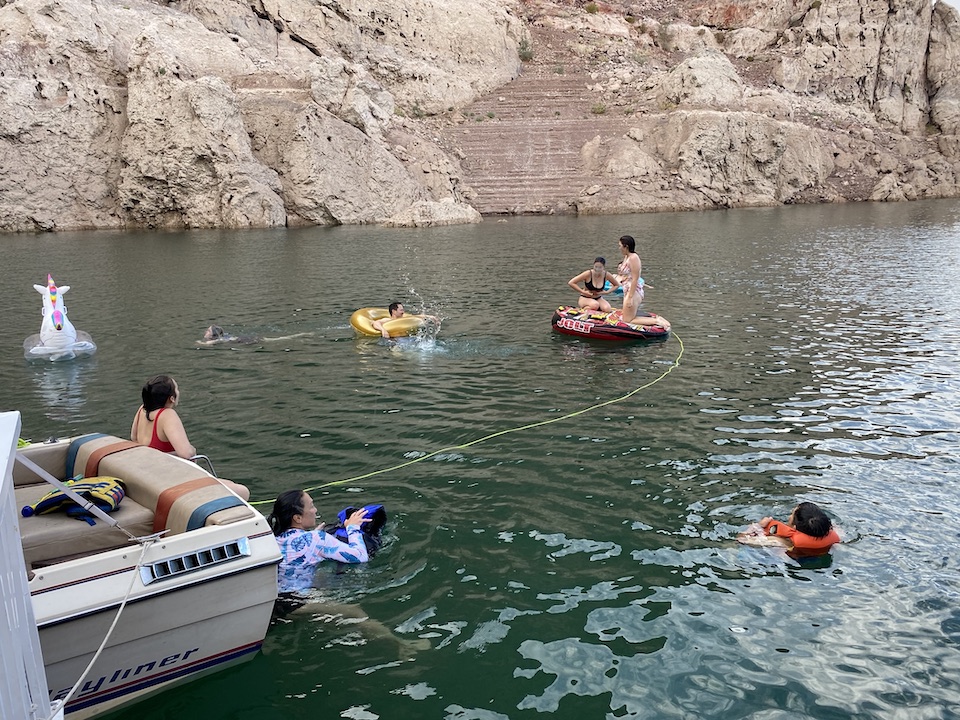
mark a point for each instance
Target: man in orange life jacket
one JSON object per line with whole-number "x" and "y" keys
{"x": 808, "y": 529}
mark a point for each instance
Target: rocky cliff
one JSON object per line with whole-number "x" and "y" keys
{"x": 125, "y": 113}
{"x": 419, "y": 112}
{"x": 647, "y": 106}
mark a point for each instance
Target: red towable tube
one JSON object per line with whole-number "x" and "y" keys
{"x": 595, "y": 325}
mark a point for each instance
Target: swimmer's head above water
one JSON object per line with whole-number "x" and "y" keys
{"x": 214, "y": 332}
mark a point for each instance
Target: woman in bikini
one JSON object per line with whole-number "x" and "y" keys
{"x": 157, "y": 425}
{"x": 594, "y": 280}
{"x": 629, "y": 271}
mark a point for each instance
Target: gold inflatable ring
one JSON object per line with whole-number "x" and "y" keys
{"x": 362, "y": 321}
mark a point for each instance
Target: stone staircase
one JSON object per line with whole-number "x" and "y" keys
{"x": 519, "y": 147}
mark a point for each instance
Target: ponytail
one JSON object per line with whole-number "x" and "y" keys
{"x": 287, "y": 504}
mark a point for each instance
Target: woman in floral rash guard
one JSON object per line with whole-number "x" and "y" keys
{"x": 304, "y": 546}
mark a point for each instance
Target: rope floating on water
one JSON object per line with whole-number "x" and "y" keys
{"x": 500, "y": 433}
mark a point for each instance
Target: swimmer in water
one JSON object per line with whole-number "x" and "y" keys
{"x": 397, "y": 311}
{"x": 215, "y": 335}
{"x": 808, "y": 532}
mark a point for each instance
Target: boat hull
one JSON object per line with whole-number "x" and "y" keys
{"x": 169, "y": 637}
{"x": 571, "y": 320}
{"x": 193, "y": 601}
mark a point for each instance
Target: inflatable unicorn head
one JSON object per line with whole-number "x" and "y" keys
{"x": 58, "y": 339}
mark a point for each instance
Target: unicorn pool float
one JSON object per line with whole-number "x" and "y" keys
{"x": 58, "y": 339}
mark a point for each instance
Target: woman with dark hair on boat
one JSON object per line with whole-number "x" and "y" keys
{"x": 304, "y": 546}
{"x": 594, "y": 280}
{"x": 157, "y": 425}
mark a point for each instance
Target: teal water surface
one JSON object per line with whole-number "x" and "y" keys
{"x": 585, "y": 568}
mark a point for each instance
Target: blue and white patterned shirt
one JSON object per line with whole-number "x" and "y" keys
{"x": 303, "y": 550}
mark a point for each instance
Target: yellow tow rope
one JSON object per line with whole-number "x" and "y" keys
{"x": 675, "y": 364}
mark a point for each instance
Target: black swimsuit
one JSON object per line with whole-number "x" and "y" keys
{"x": 590, "y": 286}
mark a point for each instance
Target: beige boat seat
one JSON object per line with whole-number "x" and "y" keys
{"x": 180, "y": 494}
{"x": 55, "y": 537}
{"x": 162, "y": 493}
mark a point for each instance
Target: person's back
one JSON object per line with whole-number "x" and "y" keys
{"x": 148, "y": 431}
{"x": 156, "y": 423}
{"x": 809, "y": 529}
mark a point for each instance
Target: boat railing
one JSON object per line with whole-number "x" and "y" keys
{"x": 202, "y": 460}
{"x": 23, "y": 680}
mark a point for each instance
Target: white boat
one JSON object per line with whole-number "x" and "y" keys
{"x": 195, "y": 599}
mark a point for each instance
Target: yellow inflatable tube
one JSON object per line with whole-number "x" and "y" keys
{"x": 362, "y": 321}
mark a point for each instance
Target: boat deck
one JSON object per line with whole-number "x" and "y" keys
{"x": 162, "y": 493}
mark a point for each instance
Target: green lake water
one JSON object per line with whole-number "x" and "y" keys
{"x": 584, "y": 568}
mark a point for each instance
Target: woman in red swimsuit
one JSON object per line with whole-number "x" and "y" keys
{"x": 157, "y": 425}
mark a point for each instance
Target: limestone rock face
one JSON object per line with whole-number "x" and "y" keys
{"x": 748, "y": 41}
{"x": 187, "y": 157}
{"x": 430, "y": 54}
{"x": 738, "y": 159}
{"x": 331, "y": 172}
{"x": 62, "y": 113}
{"x": 867, "y": 51}
{"x": 872, "y": 52}
{"x": 623, "y": 158}
{"x": 237, "y": 113}
{"x": 770, "y": 15}
{"x": 708, "y": 80}
{"x": 719, "y": 104}
{"x": 943, "y": 62}
{"x": 428, "y": 213}
{"x": 719, "y": 159}
{"x": 231, "y": 114}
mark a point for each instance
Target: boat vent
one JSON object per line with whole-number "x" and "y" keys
{"x": 193, "y": 561}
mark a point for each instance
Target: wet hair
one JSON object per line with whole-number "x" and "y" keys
{"x": 629, "y": 243}
{"x": 216, "y": 332}
{"x": 156, "y": 392}
{"x": 393, "y": 306}
{"x": 287, "y": 504}
{"x": 809, "y": 519}
{"x": 601, "y": 260}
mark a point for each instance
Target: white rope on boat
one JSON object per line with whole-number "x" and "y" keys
{"x": 146, "y": 543}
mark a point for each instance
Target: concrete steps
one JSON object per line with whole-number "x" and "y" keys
{"x": 519, "y": 147}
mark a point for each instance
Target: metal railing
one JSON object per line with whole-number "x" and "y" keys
{"x": 23, "y": 681}
{"x": 202, "y": 460}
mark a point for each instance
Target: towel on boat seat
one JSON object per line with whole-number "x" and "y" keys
{"x": 104, "y": 492}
